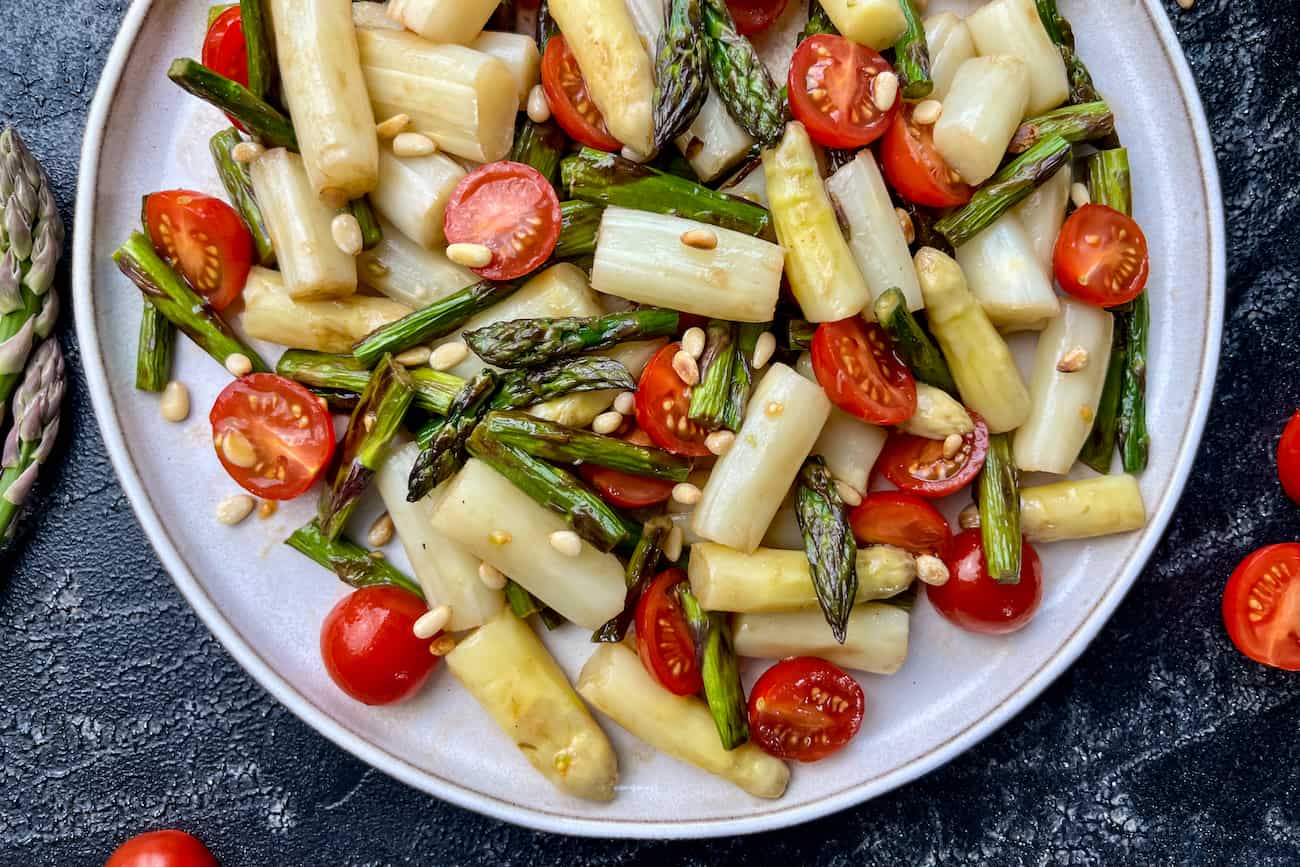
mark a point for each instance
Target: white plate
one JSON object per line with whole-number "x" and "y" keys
{"x": 265, "y": 602}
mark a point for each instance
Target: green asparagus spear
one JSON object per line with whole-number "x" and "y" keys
{"x": 579, "y": 222}
{"x": 681, "y": 72}
{"x": 524, "y": 605}
{"x": 641, "y": 569}
{"x": 999, "y": 501}
{"x": 1011, "y": 185}
{"x": 608, "y": 179}
{"x": 437, "y": 320}
{"x": 711, "y": 396}
{"x": 799, "y": 335}
{"x": 741, "y": 79}
{"x": 371, "y": 232}
{"x": 256, "y": 115}
{"x": 153, "y": 355}
{"x": 239, "y": 187}
{"x": 434, "y": 389}
{"x": 540, "y": 145}
{"x": 742, "y": 373}
{"x": 562, "y": 444}
{"x": 530, "y": 342}
{"x": 1075, "y": 123}
{"x": 912, "y": 56}
{"x": 445, "y": 453}
{"x": 1099, "y": 448}
{"x": 349, "y": 561}
{"x": 556, "y": 489}
{"x": 257, "y": 48}
{"x": 911, "y": 342}
{"x": 365, "y": 445}
{"x": 719, "y": 669}
{"x": 35, "y": 427}
{"x": 819, "y": 22}
{"x": 1110, "y": 181}
{"x": 829, "y": 543}
{"x": 1059, "y": 29}
{"x": 182, "y": 307}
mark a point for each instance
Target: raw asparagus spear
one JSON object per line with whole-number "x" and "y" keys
{"x": 681, "y": 72}
{"x": 999, "y": 503}
{"x": 912, "y": 56}
{"x": 818, "y": 22}
{"x": 540, "y": 145}
{"x": 579, "y": 222}
{"x": 153, "y": 356}
{"x": 911, "y": 342}
{"x": 349, "y": 561}
{"x": 239, "y": 187}
{"x": 371, "y": 232}
{"x": 608, "y": 179}
{"x": 718, "y": 667}
{"x": 437, "y": 320}
{"x": 711, "y": 396}
{"x": 257, "y": 48}
{"x": 434, "y": 389}
{"x": 742, "y": 81}
{"x": 530, "y": 342}
{"x": 259, "y": 117}
{"x": 35, "y": 428}
{"x": 182, "y": 307}
{"x": 641, "y": 568}
{"x": 1086, "y": 121}
{"x": 828, "y": 541}
{"x": 1059, "y": 29}
{"x": 375, "y": 420}
{"x": 445, "y": 453}
{"x": 562, "y": 444}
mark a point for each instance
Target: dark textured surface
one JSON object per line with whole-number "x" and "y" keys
{"x": 119, "y": 713}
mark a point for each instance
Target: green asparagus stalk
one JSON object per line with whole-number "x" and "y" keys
{"x": 31, "y": 242}
{"x": 530, "y": 342}
{"x": 912, "y": 344}
{"x": 562, "y": 444}
{"x": 608, "y": 179}
{"x": 239, "y": 187}
{"x": 1087, "y": 121}
{"x": 259, "y": 117}
{"x": 35, "y": 428}
{"x": 349, "y": 561}
{"x": 1058, "y": 28}
{"x": 371, "y": 232}
{"x": 257, "y": 48}
{"x": 1012, "y": 184}
{"x": 437, "y": 320}
{"x": 671, "y": 161}
{"x": 373, "y": 423}
{"x": 1110, "y": 181}
{"x": 912, "y": 56}
{"x": 434, "y": 389}
{"x": 641, "y": 569}
{"x": 540, "y": 145}
{"x": 719, "y": 669}
{"x": 445, "y": 453}
{"x": 681, "y": 72}
{"x": 556, "y": 489}
{"x": 819, "y": 23}
{"x": 1099, "y": 448}
{"x": 829, "y": 543}
{"x": 579, "y": 222}
{"x": 182, "y": 307}
{"x": 752, "y": 99}
{"x": 742, "y": 373}
{"x": 799, "y": 334}
{"x": 524, "y": 605}
{"x": 153, "y": 356}
{"x": 711, "y": 396}
{"x": 999, "y": 502}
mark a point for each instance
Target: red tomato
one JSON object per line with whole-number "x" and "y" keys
{"x": 830, "y": 85}
{"x": 1288, "y": 458}
{"x": 663, "y": 640}
{"x": 914, "y": 168}
{"x": 627, "y": 490}
{"x": 510, "y": 208}
{"x": 566, "y": 93}
{"x": 1261, "y": 606}
{"x": 1101, "y": 256}
{"x": 917, "y": 465}
{"x": 974, "y": 601}
{"x": 857, "y": 367}
{"x": 204, "y": 238}
{"x": 161, "y": 849}
{"x": 225, "y": 51}
{"x": 901, "y": 520}
{"x": 753, "y": 16}
{"x": 369, "y": 648}
{"x": 272, "y": 435}
{"x": 805, "y": 708}
{"x": 662, "y": 402}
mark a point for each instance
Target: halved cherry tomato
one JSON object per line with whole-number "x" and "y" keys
{"x": 805, "y": 708}
{"x": 902, "y": 520}
{"x": 1288, "y": 458}
{"x": 204, "y": 238}
{"x": 917, "y": 465}
{"x": 663, "y": 640}
{"x": 225, "y": 50}
{"x": 913, "y": 167}
{"x": 626, "y": 490}
{"x": 1261, "y": 606}
{"x": 1101, "y": 256}
{"x": 662, "y": 403}
{"x": 566, "y": 93}
{"x": 860, "y": 372}
{"x": 831, "y": 82}
{"x": 161, "y": 849}
{"x": 974, "y": 601}
{"x": 512, "y": 210}
{"x": 369, "y": 647}
{"x": 272, "y": 435}
{"x": 754, "y": 16}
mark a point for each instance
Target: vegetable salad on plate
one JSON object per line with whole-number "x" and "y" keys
{"x": 640, "y": 331}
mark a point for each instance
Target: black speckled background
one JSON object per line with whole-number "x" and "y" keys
{"x": 1161, "y": 746}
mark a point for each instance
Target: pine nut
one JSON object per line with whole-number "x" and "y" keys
{"x": 381, "y": 531}
{"x": 848, "y": 494}
{"x": 347, "y": 234}
{"x": 764, "y": 349}
{"x": 238, "y": 364}
{"x": 952, "y": 445}
{"x": 928, "y": 112}
{"x": 393, "y": 126}
{"x": 492, "y": 577}
{"x": 566, "y": 542}
{"x": 700, "y": 239}
{"x": 237, "y": 450}
{"x": 884, "y": 90}
{"x": 625, "y": 403}
{"x": 246, "y": 151}
{"x": 607, "y": 422}
{"x": 1074, "y": 360}
{"x": 448, "y": 355}
{"x": 906, "y": 225}
{"x": 442, "y": 645}
{"x": 693, "y": 341}
{"x": 175, "y": 403}
{"x": 432, "y": 622}
{"x": 1079, "y": 195}
{"x": 969, "y": 518}
{"x": 632, "y": 155}
{"x": 674, "y": 543}
{"x": 470, "y": 255}
{"x": 774, "y": 408}
{"x": 1186, "y": 4}
{"x": 720, "y": 442}
{"x": 413, "y": 144}
{"x": 687, "y": 369}
{"x": 267, "y": 508}
{"x": 539, "y": 110}
{"x": 234, "y": 509}
{"x": 687, "y": 494}
{"x": 500, "y": 537}
{"x": 931, "y": 570}
{"x": 414, "y": 357}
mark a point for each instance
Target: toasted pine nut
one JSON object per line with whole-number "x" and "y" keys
{"x": 905, "y": 223}
{"x": 413, "y": 144}
{"x": 687, "y": 368}
{"x": 267, "y": 508}
{"x": 234, "y": 509}
{"x": 931, "y": 570}
{"x": 448, "y": 355}
{"x": 413, "y": 357}
{"x": 607, "y": 422}
{"x": 175, "y": 403}
{"x": 764, "y": 349}
{"x": 539, "y": 110}
{"x": 884, "y": 90}
{"x": 673, "y": 544}
{"x": 928, "y": 112}
{"x": 566, "y": 542}
{"x": 1186, "y": 4}
{"x": 442, "y": 645}
{"x": 347, "y": 234}
{"x": 1079, "y": 195}
{"x": 693, "y": 341}
{"x": 236, "y": 449}
{"x": 239, "y": 364}
{"x": 432, "y": 622}
{"x": 952, "y": 445}
{"x": 700, "y": 239}
{"x": 848, "y": 494}
{"x": 492, "y": 577}
{"x": 381, "y": 531}
{"x": 625, "y": 403}
{"x": 687, "y": 494}
{"x": 470, "y": 255}
{"x": 720, "y": 442}
{"x": 246, "y": 151}
{"x": 393, "y": 126}
{"x": 1074, "y": 360}
{"x": 969, "y": 518}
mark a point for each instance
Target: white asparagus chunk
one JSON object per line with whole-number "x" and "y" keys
{"x": 1065, "y": 387}
{"x": 1014, "y": 27}
{"x": 750, "y": 183}
{"x": 850, "y": 445}
{"x": 586, "y": 589}
{"x": 409, "y": 273}
{"x": 982, "y": 111}
{"x": 579, "y": 410}
{"x": 329, "y": 325}
{"x": 950, "y": 46}
{"x": 320, "y": 70}
{"x": 413, "y": 193}
{"x": 784, "y": 418}
{"x": 714, "y": 142}
{"x": 1082, "y": 509}
{"x": 374, "y": 16}
{"x": 300, "y": 226}
{"x": 443, "y": 20}
{"x": 938, "y": 415}
{"x": 1043, "y": 213}
{"x": 877, "y": 23}
{"x": 520, "y": 55}
{"x": 877, "y": 637}
{"x": 1004, "y": 272}
{"x": 648, "y": 19}
{"x": 783, "y": 533}
{"x": 508, "y": 670}
{"x": 616, "y": 683}
{"x": 447, "y": 572}
{"x": 640, "y": 256}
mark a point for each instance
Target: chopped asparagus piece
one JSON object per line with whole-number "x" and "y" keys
{"x": 352, "y": 563}
{"x": 530, "y": 342}
{"x": 829, "y": 544}
{"x": 641, "y": 568}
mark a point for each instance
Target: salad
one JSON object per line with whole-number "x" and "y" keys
{"x": 640, "y": 331}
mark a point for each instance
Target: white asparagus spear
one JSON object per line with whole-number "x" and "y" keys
{"x": 950, "y": 46}
{"x": 1043, "y": 213}
{"x": 413, "y": 193}
{"x": 518, "y": 52}
{"x": 1014, "y": 27}
{"x": 408, "y": 273}
{"x": 877, "y": 637}
{"x": 849, "y": 444}
{"x": 443, "y": 20}
{"x": 982, "y": 111}
{"x": 1082, "y": 509}
{"x": 877, "y": 23}
{"x": 1005, "y": 274}
{"x": 328, "y": 325}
